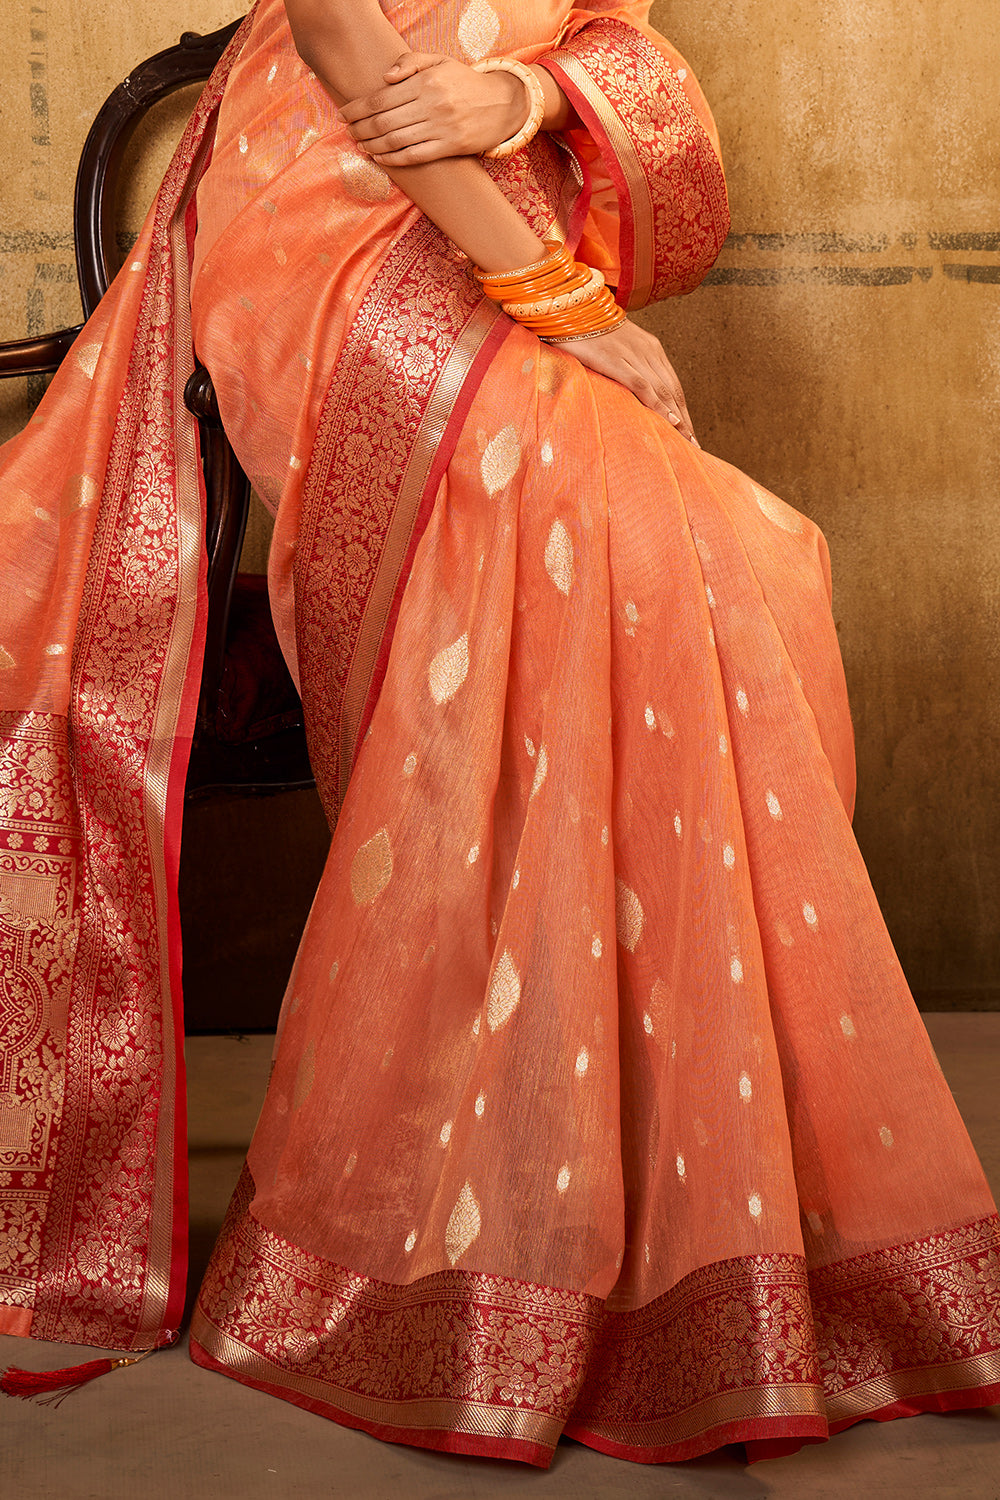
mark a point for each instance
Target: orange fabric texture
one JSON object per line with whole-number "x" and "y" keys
{"x": 599, "y": 1093}
{"x": 599, "y": 1103}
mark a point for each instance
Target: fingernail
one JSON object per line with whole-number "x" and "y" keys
{"x": 695, "y": 441}
{"x": 673, "y": 419}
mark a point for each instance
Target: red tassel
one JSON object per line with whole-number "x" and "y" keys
{"x": 52, "y": 1386}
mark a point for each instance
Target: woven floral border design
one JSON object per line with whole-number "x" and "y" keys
{"x": 403, "y": 368}
{"x": 670, "y": 184}
{"x": 741, "y": 1342}
{"x": 88, "y": 1224}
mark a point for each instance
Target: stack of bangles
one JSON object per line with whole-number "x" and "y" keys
{"x": 557, "y": 298}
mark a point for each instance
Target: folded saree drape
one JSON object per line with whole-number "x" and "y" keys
{"x": 101, "y": 630}
{"x": 600, "y": 1105}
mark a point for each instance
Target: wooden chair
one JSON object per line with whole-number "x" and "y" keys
{"x": 250, "y": 735}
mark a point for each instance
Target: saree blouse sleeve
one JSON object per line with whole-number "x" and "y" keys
{"x": 650, "y": 136}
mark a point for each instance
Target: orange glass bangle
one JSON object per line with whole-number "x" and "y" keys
{"x": 580, "y": 317}
{"x": 554, "y": 298}
{"x": 582, "y": 284}
{"x": 587, "y": 316}
{"x": 497, "y": 281}
{"x": 586, "y": 319}
{"x": 597, "y": 309}
{"x": 585, "y": 333}
{"x": 538, "y": 286}
{"x": 556, "y": 249}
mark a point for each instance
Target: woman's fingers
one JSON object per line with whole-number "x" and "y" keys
{"x": 461, "y": 112}
{"x": 388, "y": 101}
{"x": 411, "y": 63}
{"x": 670, "y": 402}
{"x": 415, "y": 154}
{"x": 394, "y": 93}
{"x": 661, "y": 389}
{"x": 635, "y": 359}
{"x": 377, "y": 127}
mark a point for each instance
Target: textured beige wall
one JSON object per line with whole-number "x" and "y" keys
{"x": 846, "y": 353}
{"x": 60, "y": 62}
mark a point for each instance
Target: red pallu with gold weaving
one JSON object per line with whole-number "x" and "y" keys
{"x": 102, "y": 616}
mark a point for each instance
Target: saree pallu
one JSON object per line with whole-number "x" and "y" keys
{"x": 599, "y": 1104}
{"x": 102, "y": 619}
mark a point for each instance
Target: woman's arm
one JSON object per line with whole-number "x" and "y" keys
{"x": 432, "y": 106}
{"x": 350, "y": 46}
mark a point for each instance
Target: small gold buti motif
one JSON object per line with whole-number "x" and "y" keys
{"x": 463, "y": 1225}
{"x": 559, "y": 557}
{"x": 371, "y": 868}
{"x": 501, "y": 460}
{"x": 363, "y": 179}
{"x": 305, "y": 1077}
{"x": 505, "y": 993}
{"x": 629, "y": 916}
{"x": 87, "y": 356}
{"x": 478, "y": 29}
{"x": 79, "y": 491}
{"x": 448, "y": 670}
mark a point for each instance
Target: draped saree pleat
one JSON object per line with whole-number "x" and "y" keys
{"x": 599, "y": 1105}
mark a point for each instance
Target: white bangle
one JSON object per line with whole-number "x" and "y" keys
{"x": 536, "y": 103}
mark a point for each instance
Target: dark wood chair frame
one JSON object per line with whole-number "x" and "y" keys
{"x": 278, "y": 762}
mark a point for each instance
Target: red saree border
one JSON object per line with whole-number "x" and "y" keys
{"x": 495, "y": 335}
{"x": 111, "y": 1238}
{"x": 673, "y": 207}
{"x": 938, "y": 1294}
{"x": 477, "y": 1444}
{"x": 737, "y": 1352}
{"x": 39, "y": 922}
{"x": 410, "y": 362}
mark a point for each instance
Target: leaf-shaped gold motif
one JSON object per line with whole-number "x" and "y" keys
{"x": 478, "y": 29}
{"x": 448, "y": 670}
{"x": 501, "y": 459}
{"x": 541, "y": 769}
{"x": 371, "y": 868}
{"x": 363, "y": 178}
{"x": 776, "y": 510}
{"x": 505, "y": 993}
{"x": 79, "y": 491}
{"x": 559, "y": 557}
{"x": 304, "y": 1077}
{"x": 629, "y": 916}
{"x": 463, "y": 1226}
{"x": 86, "y": 356}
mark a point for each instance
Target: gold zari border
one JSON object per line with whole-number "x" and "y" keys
{"x": 749, "y": 1344}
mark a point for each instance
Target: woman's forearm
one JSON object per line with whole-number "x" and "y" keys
{"x": 350, "y": 45}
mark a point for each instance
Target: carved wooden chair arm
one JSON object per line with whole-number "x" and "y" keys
{"x": 36, "y": 356}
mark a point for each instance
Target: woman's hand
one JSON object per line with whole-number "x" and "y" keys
{"x": 635, "y": 359}
{"x": 434, "y": 107}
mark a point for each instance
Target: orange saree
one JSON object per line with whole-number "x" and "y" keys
{"x": 599, "y": 1105}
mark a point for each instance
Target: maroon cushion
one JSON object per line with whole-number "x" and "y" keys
{"x": 257, "y": 696}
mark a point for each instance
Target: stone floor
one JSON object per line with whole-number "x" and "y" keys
{"x": 166, "y": 1428}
